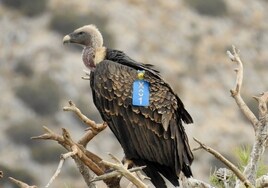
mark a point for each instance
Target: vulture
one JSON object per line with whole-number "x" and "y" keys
{"x": 140, "y": 108}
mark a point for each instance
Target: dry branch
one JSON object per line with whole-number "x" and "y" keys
{"x": 234, "y": 56}
{"x": 93, "y": 129}
{"x": 84, "y": 159}
{"x": 21, "y": 184}
{"x": 63, "y": 158}
{"x": 81, "y": 160}
{"x": 92, "y": 125}
{"x": 116, "y": 173}
{"x": 262, "y": 100}
{"x": 260, "y": 125}
{"x": 119, "y": 167}
{"x": 66, "y": 141}
{"x": 225, "y": 161}
{"x": 261, "y": 136}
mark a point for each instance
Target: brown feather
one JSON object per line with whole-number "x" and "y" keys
{"x": 152, "y": 133}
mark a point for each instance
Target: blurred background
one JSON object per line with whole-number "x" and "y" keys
{"x": 185, "y": 39}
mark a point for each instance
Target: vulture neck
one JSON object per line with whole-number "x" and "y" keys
{"x": 88, "y": 56}
{"x": 92, "y": 56}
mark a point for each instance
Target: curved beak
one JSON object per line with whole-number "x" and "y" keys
{"x": 66, "y": 39}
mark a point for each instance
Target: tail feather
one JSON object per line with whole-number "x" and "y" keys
{"x": 186, "y": 117}
{"x": 187, "y": 171}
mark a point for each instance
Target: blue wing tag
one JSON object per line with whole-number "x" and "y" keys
{"x": 141, "y": 94}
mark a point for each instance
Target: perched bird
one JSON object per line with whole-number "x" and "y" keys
{"x": 151, "y": 133}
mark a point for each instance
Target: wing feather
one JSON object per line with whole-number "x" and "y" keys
{"x": 154, "y": 133}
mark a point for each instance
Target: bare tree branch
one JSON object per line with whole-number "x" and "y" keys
{"x": 91, "y": 133}
{"x": 49, "y": 135}
{"x": 225, "y": 161}
{"x": 116, "y": 173}
{"x": 139, "y": 175}
{"x": 118, "y": 166}
{"x": 21, "y": 184}
{"x": 82, "y": 162}
{"x": 84, "y": 159}
{"x": 81, "y": 153}
{"x": 262, "y": 100}
{"x": 260, "y": 125}
{"x": 234, "y": 56}
{"x": 94, "y": 128}
{"x": 261, "y": 136}
{"x": 63, "y": 158}
{"x": 87, "y": 77}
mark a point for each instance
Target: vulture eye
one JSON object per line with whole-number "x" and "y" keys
{"x": 80, "y": 33}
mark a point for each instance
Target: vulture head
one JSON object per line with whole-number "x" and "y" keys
{"x": 88, "y": 36}
{"x": 91, "y": 39}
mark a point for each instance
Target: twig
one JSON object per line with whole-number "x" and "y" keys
{"x": 95, "y": 128}
{"x": 84, "y": 159}
{"x": 230, "y": 165}
{"x": 87, "y": 77}
{"x": 116, "y": 173}
{"x": 139, "y": 175}
{"x": 21, "y": 184}
{"x": 262, "y": 100}
{"x": 49, "y": 135}
{"x": 63, "y": 158}
{"x": 235, "y": 93}
{"x": 81, "y": 158}
{"x": 118, "y": 166}
{"x": 81, "y": 153}
{"x": 91, "y": 133}
{"x": 86, "y": 173}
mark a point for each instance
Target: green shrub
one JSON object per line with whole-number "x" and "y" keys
{"x": 21, "y": 133}
{"x": 242, "y": 154}
{"x": 222, "y": 178}
{"x": 27, "y": 7}
{"x": 214, "y": 180}
{"x": 47, "y": 153}
{"x": 18, "y": 173}
{"x": 208, "y": 7}
{"x": 65, "y": 21}
{"x": 42, "y": 95}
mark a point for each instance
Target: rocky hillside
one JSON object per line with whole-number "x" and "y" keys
{"x": 185, "y": 39}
